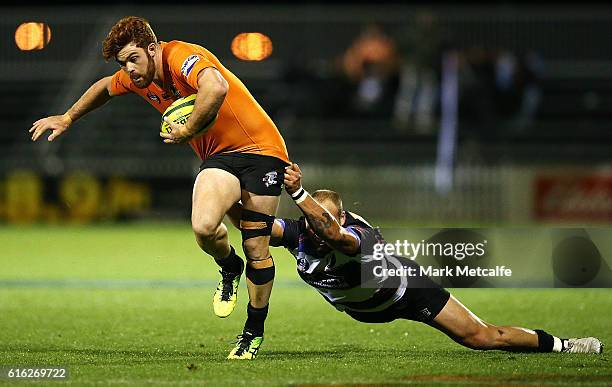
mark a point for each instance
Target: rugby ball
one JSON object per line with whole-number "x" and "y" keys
{"x": 179, "y": 112}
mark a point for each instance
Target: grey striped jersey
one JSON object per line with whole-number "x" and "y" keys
{"x": 347, "y": 282}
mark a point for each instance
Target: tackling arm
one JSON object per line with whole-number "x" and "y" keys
{"x": 327, "y": 227}
{"x": 323, "y": 223}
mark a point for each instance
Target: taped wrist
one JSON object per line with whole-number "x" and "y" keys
{"x": 299, "y": 195}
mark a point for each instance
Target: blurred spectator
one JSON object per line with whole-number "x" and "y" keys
{"x": 477, "y": 77}
{"x": 531, "y": 68}
{"x": 517, "y": 88}
{"x": 301, "y": 97}
{"x": 507, "y": 86}
{"x": 498, "y": 89}
{"x": 505, "y": 70}
{"x": 370, "y": 65}
{"x": 421, "y": 50}
{"x": 311, "y": 89}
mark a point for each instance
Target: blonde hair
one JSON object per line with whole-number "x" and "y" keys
{"x": 326, "y": 194}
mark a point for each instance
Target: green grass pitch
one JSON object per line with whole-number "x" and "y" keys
{"x": 131, "y": 305}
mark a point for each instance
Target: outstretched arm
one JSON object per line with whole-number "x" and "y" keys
{"x": 322, "y": 222}
{"x": 97, "y": 95}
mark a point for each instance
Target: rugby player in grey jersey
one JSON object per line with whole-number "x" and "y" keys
{"x": 331, "y": 247}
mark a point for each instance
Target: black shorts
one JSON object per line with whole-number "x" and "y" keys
{"x": 417, "y": 304}
{"x": 261, "y": 175}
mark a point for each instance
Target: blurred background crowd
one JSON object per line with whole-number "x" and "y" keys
{"x": 358, "y": 92}
{"x": 394, "y": 75}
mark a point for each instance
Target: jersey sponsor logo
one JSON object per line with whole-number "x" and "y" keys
{"x": 270, "y": 178}
{"x": 188, "y": 64}
{"x": 153, "y": 97}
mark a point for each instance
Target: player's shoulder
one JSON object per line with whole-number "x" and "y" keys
{"x": 174, "y": 44}
{"x": 366, "y": 232}
{"x": 183, "y": 56}
{"x": 355, "y": 220}
{"x": 175, "y": 48}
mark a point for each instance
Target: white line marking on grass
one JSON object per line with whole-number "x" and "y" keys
{"x": 125, "y": 283}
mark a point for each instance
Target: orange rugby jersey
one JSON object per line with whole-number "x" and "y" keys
{"x": 241, "y": 126}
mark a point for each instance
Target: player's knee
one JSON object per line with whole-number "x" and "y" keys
{"x": 256, "y": 229}
{"x": 206, "y": 230}
{"x": 256, "y": 249}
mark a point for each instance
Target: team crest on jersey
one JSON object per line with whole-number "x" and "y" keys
{"x": 302, "y": 264}
{"x": 153, "y": 97}
{"x": 270, "y": 178}
{"x": 188, "y": 64}
{"x": 173, "y": 93}
{"x": 425, "y": 313}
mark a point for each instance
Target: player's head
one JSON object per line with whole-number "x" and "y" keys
{"x": 133, "y": 44}
{"x": 332, "y": 202}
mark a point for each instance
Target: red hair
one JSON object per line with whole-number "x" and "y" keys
{"x": 130, "y": 29}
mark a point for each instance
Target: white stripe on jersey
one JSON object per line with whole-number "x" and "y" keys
{"x": 308, "y": 264}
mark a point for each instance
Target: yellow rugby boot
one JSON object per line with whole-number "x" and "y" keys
{"x": 226, "y": 295}
{"x": 246, "y": 347}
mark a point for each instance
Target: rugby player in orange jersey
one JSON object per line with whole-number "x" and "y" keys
{"x": 243, "y": 155}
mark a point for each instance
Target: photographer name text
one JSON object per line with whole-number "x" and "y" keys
{"x": 447, "y": 271}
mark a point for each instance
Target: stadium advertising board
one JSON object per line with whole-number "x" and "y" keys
{"x": 575, "y": 197}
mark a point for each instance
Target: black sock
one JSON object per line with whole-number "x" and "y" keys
{"x": 255, "y": 319}
{"x": 545, "y": 341}
{"x": 232, "y": 263}
{"x": 549, "y": 343}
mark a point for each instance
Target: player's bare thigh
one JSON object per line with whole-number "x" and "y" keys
{"x": 260, "y": 203}
{"x": 214, "y": 193}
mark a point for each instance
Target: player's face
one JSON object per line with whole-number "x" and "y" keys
{"x": 139, "y": 65}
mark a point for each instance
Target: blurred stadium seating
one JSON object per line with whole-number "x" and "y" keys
{"x": 299, "y": 86}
